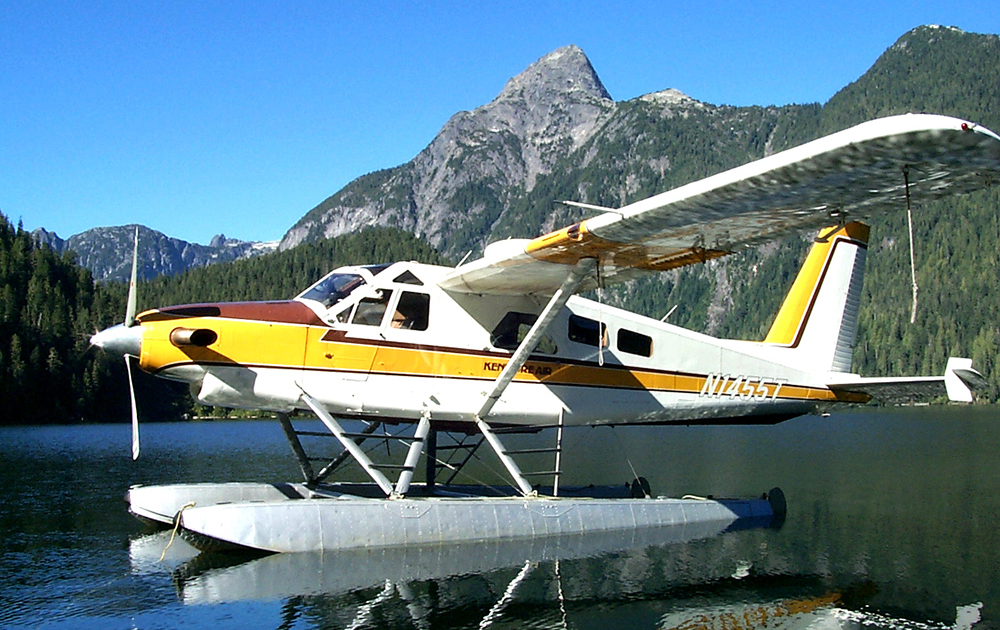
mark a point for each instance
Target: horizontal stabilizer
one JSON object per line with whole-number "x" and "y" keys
{"x": 957, "y": 384}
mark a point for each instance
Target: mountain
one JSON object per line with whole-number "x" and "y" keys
{"x": 929, "y": 69}
{"x": 453, "y": 191}
{"x": 107, "y": 251}
{"x": 554, "y": 133}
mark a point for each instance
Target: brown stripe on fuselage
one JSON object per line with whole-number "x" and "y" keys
{"x": 284, "y": 312}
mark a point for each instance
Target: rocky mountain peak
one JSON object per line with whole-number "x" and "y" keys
{"x": 107, "y": 251}
{"x": 928, "y": 33}
{"x": 478, "y": 159}
{"x": 671, "y": 97}
{"x": 549, "y": 109}
{"x": 565, "y": 74}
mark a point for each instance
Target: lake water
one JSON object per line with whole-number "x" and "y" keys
{"x": 892, "y": 523}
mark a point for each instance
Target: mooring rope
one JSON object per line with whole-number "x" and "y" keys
{"x": 177, "y": 524}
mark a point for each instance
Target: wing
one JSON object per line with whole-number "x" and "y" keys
{"x": 854, "y": 174}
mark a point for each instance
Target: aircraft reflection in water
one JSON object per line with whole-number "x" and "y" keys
{"x": 557, "y": 582}
{"x": 284, "y": 575}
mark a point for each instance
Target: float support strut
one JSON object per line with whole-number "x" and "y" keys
{"x": 349, "y": 444}
{"x": 300, "y": 453}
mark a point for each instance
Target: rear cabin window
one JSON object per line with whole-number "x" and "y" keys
{"x": 635, "y": 343}
{"x": 587, "y": 331}
{"x": 512, "y": 330}
{"x": 412, "y": 311}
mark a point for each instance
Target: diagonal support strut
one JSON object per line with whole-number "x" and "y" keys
{"x": 349, "y": 444}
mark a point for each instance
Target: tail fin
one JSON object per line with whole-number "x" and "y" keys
{"x": 819, "y": 317}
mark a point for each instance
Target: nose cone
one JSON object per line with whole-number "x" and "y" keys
{"x": 119, "y": 339}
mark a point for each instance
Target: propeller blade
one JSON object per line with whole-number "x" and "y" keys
{"x": 135, "y": 412}
{"x": 130, "y": 307}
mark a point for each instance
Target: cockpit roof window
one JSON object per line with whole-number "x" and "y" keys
{"x": 333, "y": 288}
{"x": 407, "y": 277}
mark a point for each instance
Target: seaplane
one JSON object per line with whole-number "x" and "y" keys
{"x": 506, "y": 344}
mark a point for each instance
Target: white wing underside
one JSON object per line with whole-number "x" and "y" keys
{"x": 851, "y": 175}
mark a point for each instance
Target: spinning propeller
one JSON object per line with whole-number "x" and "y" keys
{"x": 126, "y": 338}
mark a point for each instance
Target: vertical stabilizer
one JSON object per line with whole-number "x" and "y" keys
{"x": 819, "y": 317}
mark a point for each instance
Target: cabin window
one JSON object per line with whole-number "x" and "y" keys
{"x": 370, "y": 310}
{"x": 512, "y": 330}
{"x": 587, "y": 331}
{"x": 407, "y": 277}
{"x": 412, "y": 311}
{"x": 635, "y": 343}
{"x": 333, "y": 288}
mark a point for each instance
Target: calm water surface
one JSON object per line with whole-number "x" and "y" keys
{"x": 892, "y": 523}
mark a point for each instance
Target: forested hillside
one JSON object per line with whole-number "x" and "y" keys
{"x": 48, "y": 308}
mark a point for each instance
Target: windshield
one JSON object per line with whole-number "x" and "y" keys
{"x": 333, "y": 288}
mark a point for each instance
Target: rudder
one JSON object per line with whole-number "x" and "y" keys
{"x": 819, "y": 317}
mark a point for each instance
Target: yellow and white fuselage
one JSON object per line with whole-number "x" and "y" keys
{"x": 596, "y": 365}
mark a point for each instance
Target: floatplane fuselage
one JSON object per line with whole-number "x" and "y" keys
{"x": 386, "y": 343}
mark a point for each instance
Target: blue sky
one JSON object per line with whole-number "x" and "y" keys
{"x": 199, "y": 118}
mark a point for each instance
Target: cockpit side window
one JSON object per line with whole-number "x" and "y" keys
{"x": 370, "y": 310}
{"x": 333, "y": 288}
{"x": 412, "y": 311}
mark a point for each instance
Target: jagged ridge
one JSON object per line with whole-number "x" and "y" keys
{"x": 107, "y": 251}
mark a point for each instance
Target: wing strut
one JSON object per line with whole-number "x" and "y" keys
{"x": 580, "y": 272}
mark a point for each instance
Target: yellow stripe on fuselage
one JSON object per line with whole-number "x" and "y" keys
{"x": 297, "y": 346}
